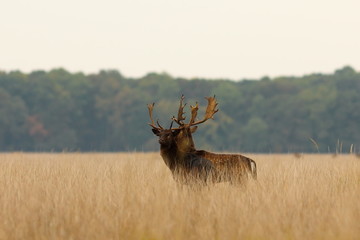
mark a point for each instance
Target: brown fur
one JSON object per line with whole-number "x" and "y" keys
{"x": 232, "y": 167}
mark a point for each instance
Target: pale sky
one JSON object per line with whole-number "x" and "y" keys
{"x": 189, "y": 38}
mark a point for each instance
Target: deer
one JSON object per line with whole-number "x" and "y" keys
{"x": 186, "y": 163}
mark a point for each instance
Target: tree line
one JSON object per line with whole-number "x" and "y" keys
{"x": 61, "y": 111}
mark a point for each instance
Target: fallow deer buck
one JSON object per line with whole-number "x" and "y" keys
{"x": 186, "y": 163}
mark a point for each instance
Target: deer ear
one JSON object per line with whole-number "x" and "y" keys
{"x": 193, "y": 129}
{"x": 156, "y": 131}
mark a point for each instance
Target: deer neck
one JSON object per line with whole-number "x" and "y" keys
{"x": 169, "y": 155}
{"x": 174, "y": 155}
{"x": 184, "y": 142}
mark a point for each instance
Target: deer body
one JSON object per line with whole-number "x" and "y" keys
{"x": 186, "y": 163}
{"x": 231, "y": 167}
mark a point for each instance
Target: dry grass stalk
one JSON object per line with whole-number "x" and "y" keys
{"x": 133, "y": 196}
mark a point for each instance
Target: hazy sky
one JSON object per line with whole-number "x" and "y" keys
{"x": 190, "y": 38}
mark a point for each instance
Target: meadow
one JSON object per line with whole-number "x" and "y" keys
{"x": 133, "y": 196}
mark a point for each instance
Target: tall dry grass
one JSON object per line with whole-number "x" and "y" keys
{"x": 133, "y": 196}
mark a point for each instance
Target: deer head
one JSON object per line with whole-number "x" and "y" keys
{"x": 181, "y": 135}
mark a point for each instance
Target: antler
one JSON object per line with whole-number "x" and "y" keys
{"x": 152, "y": 124}
{"x": 210, "y": 111}
{"x": 180, "y": 118}
{"x": 193, "y": 113}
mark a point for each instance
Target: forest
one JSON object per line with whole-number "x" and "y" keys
{"x": 58, "y": 110}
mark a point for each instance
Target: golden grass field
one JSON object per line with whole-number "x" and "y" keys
{"x": 133, "y": 196}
